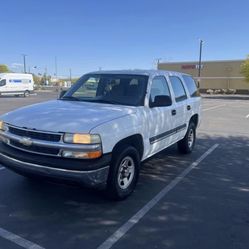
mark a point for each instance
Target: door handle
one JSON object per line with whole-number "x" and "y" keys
{"x": 188, "y": 107}
{"x": 173, "y": 112}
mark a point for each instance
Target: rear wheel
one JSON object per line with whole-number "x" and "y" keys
{"x": 26, "y": 93}
{"x": 124, "y": 172}
{"x": 186, "y": 145}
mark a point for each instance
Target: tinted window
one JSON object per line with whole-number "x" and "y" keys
{"x": 178, "y": 88}
{"x": 159, "y": 87}
{"x": 191, "y": 85}
{"x": 2, "y": 82}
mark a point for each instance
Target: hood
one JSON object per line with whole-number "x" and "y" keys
{"x": 65, "y": 116}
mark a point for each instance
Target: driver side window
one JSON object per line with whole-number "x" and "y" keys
{"x": 159, "y": 87}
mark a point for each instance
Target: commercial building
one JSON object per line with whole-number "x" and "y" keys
{"x": 223, "y": 74}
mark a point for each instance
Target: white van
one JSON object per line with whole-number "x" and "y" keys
{"x": 16, "y": 84}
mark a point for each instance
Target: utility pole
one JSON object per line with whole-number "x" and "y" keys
{"x": 158, "y": 62}
{"x": 200, "y": 55}
{"x": 45, "y": 75}
{"x": 70, "y": 75}
{"x": 55, "y": 66}
{"x": 24, "y": 62}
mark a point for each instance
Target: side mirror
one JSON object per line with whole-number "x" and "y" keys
{"x": 62, "y": 93}
{"x": 161, "y": 100}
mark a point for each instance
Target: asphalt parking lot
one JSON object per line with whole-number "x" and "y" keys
{"x": 204, "y": 203}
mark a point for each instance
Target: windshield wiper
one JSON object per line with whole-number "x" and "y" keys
{"x": 70, "y": 98}
{"x": 106, "y": 101}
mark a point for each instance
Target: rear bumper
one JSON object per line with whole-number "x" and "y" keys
{"x": 90, "y": 173}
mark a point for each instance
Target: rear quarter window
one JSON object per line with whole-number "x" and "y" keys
{"x": 191, "y": 85}
{"x": 178, "y": 88}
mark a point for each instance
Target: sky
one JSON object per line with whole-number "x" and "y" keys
{"x": 128, "y": 34}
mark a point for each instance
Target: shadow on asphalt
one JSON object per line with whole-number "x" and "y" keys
{"x": 85, "y": 217}
{"x": 209, "y": 210}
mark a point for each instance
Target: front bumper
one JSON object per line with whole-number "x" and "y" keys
{"x": 63, "y": 169}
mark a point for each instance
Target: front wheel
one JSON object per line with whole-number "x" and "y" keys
{"x": 186, "y": 145}
{"x": 26, "y": 93}
{"x": 124, "y": 172}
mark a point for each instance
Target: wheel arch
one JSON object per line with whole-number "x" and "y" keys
{"x": 135, "y": 140}
{"x": 194, "y": 119}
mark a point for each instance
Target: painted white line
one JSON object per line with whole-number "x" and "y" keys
{"x": 142, "y": 212}
{"x": 18, "y": 240}
{"x": 1, "y": 168}
{"x": 247, "y": 116}
{"x": 214, "y": 107}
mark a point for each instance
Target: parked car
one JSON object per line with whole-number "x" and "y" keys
{"x": 16, "y": 84}
{"x": 100, "y": 137}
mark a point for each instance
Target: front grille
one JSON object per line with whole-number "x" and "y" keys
{"x": 35, "y": 148}
{"x": 35, "y": 134}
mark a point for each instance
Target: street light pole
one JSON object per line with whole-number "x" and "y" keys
{"x": 200, "y": 55}
{"x": 24, "y": 62}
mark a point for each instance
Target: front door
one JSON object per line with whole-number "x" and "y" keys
{"x": 160, "y": 118}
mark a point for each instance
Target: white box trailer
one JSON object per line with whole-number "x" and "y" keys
{"x": 16, "y": 84}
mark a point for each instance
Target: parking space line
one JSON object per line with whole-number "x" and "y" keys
{"x": 247, "y": 116}
{"x": 142, "y": 212}
{"x": 18, "y": 240}
{"x": 214, "y": 107}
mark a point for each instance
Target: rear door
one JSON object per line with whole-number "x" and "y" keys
{"x": 160, "y": 119}
{"x": 180, "y": 110}
{"x": 194, "y": 102}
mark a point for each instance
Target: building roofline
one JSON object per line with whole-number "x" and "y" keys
{"x": 208, "y": 61}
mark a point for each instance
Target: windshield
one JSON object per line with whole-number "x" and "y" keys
{"x": 121, "y": 89}
{"x": 2, "y": 82}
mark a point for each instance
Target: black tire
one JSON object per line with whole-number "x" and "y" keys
{"x": 114, "y": 188}
{"x": 26, "y": 94}
{"x": 184, "y": 145}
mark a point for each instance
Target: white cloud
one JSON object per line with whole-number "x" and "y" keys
{"x": 16, "y": 65}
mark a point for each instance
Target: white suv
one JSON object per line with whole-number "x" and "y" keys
{"x": 102, "y": 128}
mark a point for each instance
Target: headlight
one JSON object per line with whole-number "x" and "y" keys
{"x": 1, "y": 125}
{"x": 82, "y": 155}
{"x": 89, "y": 140}
{"x": 78, "y": 138}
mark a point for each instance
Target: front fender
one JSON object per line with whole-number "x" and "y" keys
{"x": 114, "y": 131}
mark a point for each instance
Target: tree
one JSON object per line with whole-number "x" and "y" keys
{"x": 37, "y": 79}
{"x": 245, "y": 69}
{"x": 4, "y": 68}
